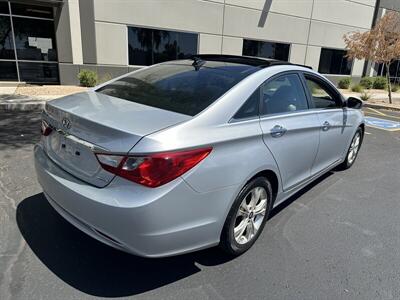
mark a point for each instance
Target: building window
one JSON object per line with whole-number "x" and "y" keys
{"x": 278, "y": 51}
{"x": 32, "y": 11}
{"x": 27, "y": 43}
{"x": 4, "y": 8}
{"x": 6, "y": 40}
{"x": 334, "y": 62}
{"x": 151, "y": 46}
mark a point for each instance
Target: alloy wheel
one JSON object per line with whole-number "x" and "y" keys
{"x": 250, "y": 215}
{"x": 354, "y": 147}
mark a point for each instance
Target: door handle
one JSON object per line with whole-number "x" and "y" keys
{"x": 278, "y": 131}
{"x": 326, "y": 126}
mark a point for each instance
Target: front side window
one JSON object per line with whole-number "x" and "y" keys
{"x": 278, "y": 51}
{"x": 150, "y": 46}
{"x": 321, "y": 96}
{"x": 178, "y": 87}
{"x": 334, "y": 61}
{"x": 283, "y": 94}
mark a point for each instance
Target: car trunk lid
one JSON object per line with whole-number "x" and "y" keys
{"x": 91, "y": 122}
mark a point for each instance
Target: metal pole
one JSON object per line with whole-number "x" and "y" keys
{"x": 13, "y": 37}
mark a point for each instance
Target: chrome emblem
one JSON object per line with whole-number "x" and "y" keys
{"x": 66, "y": 123}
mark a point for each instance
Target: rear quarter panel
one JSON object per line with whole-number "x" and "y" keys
{"x": 238, "y": 154}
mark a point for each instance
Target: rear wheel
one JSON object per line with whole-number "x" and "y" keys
{"x": 353, "y": 150}
{"x": 247, "y": 217}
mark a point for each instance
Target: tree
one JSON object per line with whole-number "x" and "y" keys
{"x": 381, "y": 44}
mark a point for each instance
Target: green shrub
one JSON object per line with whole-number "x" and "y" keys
{"x": 380, "y": 83}
{"x": 88, "y": 78}
{"x": 357, "y": 88}
{"x": 344, "y": 83}
{"x": 365, "y": 96}
{"x": 367, "y": 82}
{"x": 395, "y": 88}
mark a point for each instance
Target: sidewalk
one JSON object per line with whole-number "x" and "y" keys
{"x": 27, "y": 98}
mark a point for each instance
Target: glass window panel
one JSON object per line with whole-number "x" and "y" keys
{"x": 334, "y": 61}
{"x": 38, "y": 72}
{"x": 284, "y": 94}
{"x": 150, "y": 46}
{"x": 250, "y": 108}
{"x": 140, "y": 46}
{"x": 8, "y": 71}
{"x": 32, "y": 10}
{"x": 35, "y": 39}
{"x": 278, "y": 51}
{"x": 169, "y": 45}
{"x": 320, "y": 95}
{"x": 3, "y": 7}
{"x": 178, "y": 87}
{"x": 6, "y": 42}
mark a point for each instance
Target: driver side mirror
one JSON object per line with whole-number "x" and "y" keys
{"x": 353, "y": 102}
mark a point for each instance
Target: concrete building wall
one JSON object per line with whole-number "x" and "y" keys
{"x": 307, "y": 25}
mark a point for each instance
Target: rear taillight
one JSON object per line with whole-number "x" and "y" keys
{"x": 45, "y": 128}
{"x": 152, "y": 170}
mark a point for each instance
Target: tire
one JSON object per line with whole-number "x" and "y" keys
{"x": 350, "y": 159}
{"x": 250, "y": 219}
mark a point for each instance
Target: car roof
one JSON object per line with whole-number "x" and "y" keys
{"x": 253, "y": 61}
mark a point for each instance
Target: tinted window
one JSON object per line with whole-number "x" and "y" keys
{"x": 179, "y": 87}
{"x": 150, "y": 46}
{"x": 334, "y": 62}
{"x": 284, "y": 94}
{"x": 8, "y": 71}
{"x": 4, "y": 8}
{"x": 250, "y": 108}
{"x": 266, "y": 49}
{"x": 35, "y": 39}
{"x": 321, "y": 96}
{"x": 38, "y": 72}
{"x": 6, "y": 42}
{"x": 32, "y": 10}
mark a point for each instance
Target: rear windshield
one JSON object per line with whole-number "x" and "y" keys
{"x": 178, "y": 86}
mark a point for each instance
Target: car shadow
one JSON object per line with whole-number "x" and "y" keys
{"x": 297, "y": 195}
{"x": 100, "y": 270}
{"x": 94, "y": 268}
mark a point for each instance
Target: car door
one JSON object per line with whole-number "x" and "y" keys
{"x": 290, "y": 129}
{"x": 334, "y": 128}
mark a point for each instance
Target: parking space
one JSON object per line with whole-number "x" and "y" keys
{"x": 382, "y": 119}
{"x": 339, "y": 238}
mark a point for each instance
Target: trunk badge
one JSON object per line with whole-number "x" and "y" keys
{"x": 66, "y": 123}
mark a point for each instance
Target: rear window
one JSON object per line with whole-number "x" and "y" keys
{"x": 178, "y": 86}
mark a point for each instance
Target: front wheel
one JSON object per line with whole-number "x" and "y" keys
{"x": 353, "y": 150}
{"x": 247, "y": 217}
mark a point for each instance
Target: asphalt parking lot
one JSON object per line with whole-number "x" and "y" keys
{"x": 337, "y": 239}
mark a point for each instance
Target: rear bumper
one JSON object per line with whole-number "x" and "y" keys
{"x": 164, "y": 221}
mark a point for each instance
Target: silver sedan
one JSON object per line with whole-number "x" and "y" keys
{"x": 192, "y": 153}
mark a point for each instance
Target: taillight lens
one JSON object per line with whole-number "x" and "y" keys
{"x": 155, "y": 169}
{"x": 45, "y": 129}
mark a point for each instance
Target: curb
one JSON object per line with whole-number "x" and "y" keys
{"x": 25, "y": 106}
{"x": 381, "y": 106}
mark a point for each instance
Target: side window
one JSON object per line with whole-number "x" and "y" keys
{"x": 250, "y": 108}
{"x": 283, "y": 94}
{"x": 320, "y": 95}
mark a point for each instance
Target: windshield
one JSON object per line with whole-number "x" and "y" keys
{"x": 178, "y": 86}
